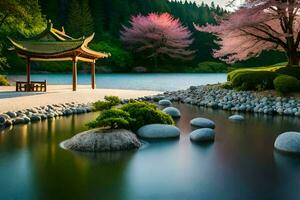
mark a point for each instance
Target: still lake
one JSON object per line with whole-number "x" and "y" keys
{"x": 156, "y": 82}
{"x": 240, "y": 164}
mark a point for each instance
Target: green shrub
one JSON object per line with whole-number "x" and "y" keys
{"x": 253, "y": 80}
{"x": 113, "y": 118}
{"x": 209, "y": 67}
{"x": 285, "y": 84}
{"x": 120, "y": 57}
{"x": 109, "y": 102}
{"x": 290, "y": 71}
{"x": 145, "y": 113}
{"x": 4, "y": 81}
{"x": 131, "y": 116}
{"x": 226, "y": 85}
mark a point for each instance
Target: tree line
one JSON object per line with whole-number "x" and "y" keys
{"x": 106, "y": 18}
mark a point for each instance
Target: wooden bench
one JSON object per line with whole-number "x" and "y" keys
{"x": 33, "y": 86}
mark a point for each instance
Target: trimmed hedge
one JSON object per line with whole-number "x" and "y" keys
{"x": 285, "y": 84}
{"x": 290, "y": 71}
{"x": 253, "y": 80}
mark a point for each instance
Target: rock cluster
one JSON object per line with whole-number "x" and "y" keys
{"x": 242, "y": 101}
{"x": 42, "y": 113}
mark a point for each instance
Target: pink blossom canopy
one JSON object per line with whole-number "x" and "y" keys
{"x": 159, "y": 34}
{"x": 256, "y": 26}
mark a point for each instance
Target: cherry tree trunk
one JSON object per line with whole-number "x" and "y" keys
{"x": 293, "y": 58}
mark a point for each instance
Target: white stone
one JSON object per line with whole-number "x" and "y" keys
{"x": 202, "y": 135}
{"x": 173, "y": 112}
{"x": 156, "y": 131}
{"x": 202, "y": 123}
{"x": 288, "y": 142}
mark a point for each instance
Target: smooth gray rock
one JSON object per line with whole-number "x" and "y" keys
{"x": 12, "y": 114}
{"x": 202, "y": 135}
{"x": 3, "y": 119}
{"x": 35, "y": 118}
{"x": 202, "y": 123}
{"x": 19, "y": 120}
{"x": 99, "y": 140}
{"x": 173, "y": 112}
{"x": 288, "y": 142}
{"x": 165, "y": 102}
{"x": 157, "y": 131}
{"x": 236, "y": 118}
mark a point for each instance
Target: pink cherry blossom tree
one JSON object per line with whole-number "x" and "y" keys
{"x": 158, "y": 35}
{"x": 256, "y": 26}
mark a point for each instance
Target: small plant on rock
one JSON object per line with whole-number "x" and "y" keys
{"x": 113, "y": 119}
{"x": 145, "y": 113}
{"x": 110, "y": 101}
{"x": 131, "y": 116}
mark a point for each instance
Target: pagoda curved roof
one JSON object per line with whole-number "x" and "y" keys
{"x": 52, "y": 43}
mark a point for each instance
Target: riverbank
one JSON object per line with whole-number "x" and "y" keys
{"x": 266, "y": 102}
{"x": 60, "y": 94}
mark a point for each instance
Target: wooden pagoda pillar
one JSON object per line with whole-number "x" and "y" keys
{"x": 28, "y": 79}
{"x": 93, "y": 73}
{"x": 74, "y": 77}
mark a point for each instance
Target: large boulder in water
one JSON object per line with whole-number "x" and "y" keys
{"x": 202, "y": 135}
{"x": 173, "y": 112}
{"x": 158, "y": 131}
{"x": 100, "y": 140}
{"x": 288, "y": 142}
{"x": 202, "y": 123}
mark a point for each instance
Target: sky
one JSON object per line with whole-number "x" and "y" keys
{"x": 222, "y": 3}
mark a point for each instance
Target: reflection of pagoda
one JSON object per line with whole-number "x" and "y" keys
{"x": 55, "y": 45}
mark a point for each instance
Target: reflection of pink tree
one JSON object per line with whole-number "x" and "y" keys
{"x": 158, "y": 35}
{"x": 256, "y": 26}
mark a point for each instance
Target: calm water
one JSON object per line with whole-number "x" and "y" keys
{"x": 240, "y": 164}
{"x": 157, "y": 82}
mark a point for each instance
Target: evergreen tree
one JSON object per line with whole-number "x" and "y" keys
{"x": 74, "y": 19}
{"x": 87, "y": 23}
{"x": 80, "y": 21}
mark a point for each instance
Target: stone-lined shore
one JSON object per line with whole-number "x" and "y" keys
{"x": 204, "y": 96}
{"x": 231, "y": 100}
{"x": 40, "y": 113}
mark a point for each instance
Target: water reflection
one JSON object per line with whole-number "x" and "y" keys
{"x": 240, "y": 164}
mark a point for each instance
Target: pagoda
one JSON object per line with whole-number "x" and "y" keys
{"x": 55, "y": 45}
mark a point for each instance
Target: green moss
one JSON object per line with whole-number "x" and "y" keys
{"x": 285, "y": 84}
